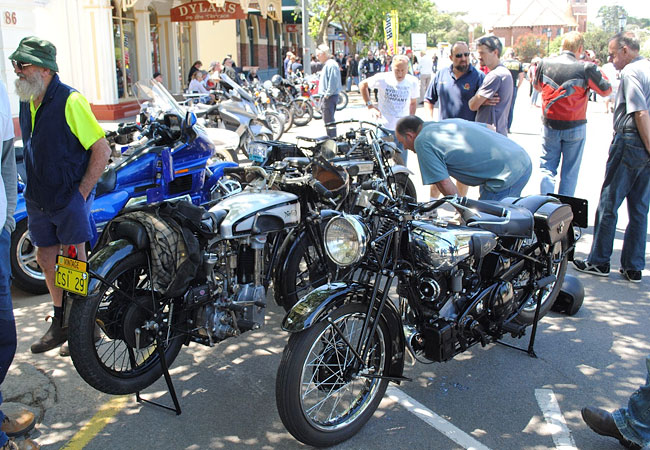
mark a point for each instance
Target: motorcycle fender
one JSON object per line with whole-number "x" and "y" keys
{"x": 313, "y": 308}
{"x": 260, "y": 129}
{"x": 398, "y": 168}
{"x": 104, "y": 260}
{"x": 20, "y": 212}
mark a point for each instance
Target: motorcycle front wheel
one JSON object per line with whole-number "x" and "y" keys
{"x": 112, "y": 334}
{"x": 302, "y": 112}
{"x": 286, "y": 115}
{"x": 342, "y": 101}
{"x": 323, "y": 398}
{"x": 276, "y": 124}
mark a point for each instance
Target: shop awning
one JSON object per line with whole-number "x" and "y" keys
{"x": 270, "y": 8}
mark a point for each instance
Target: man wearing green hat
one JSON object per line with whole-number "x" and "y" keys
{"x": 65, "y": 154}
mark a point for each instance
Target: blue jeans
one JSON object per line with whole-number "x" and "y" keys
{"x": 7, "y": 322}
{"x": 634, "y": 421}
{"x": 329, "y": 108}
{"x": 512, "y": 191}
{"x": 627, "y": 176}
{"x": 350, "y": 81}
{"x": 565, "y": 144}
{"x": 512, "y": 107}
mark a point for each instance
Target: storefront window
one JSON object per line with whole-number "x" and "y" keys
{"x": 184, "y": 44}
{"x": 154, "y": 37}
{"x": 126, "y": 70}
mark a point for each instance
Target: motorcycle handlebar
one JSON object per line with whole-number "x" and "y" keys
{"x": 485, "y": 207}
{"x": 322, "y": 190}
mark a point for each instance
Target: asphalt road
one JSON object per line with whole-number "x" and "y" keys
{"x": 494, "y": 397}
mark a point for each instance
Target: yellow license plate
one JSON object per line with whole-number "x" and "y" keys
{"x": 71, "y": 275}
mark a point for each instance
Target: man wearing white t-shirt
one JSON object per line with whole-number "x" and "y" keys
{"x": 398, "y": 94}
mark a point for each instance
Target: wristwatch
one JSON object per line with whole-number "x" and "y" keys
{"x": 369, "y": 103}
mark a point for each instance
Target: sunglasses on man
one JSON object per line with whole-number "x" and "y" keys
{"x": 460, "y": 55}
{"x": 20, "y": 65}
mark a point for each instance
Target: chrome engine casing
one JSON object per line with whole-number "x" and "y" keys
{"x": 442, "y": 248}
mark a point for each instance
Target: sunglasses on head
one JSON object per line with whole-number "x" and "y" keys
{"x": 460, "y": 55}
{"x": 19, "y": 65}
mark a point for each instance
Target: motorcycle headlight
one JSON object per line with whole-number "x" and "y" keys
{"x": 346, "y": 240}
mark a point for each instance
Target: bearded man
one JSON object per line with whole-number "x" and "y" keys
{"x": 65, "y": 154}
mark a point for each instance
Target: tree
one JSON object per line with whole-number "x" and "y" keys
{"x": 596, "y": 39}
{"x": 530, "y": 45}
{"x": 610, "y": 17}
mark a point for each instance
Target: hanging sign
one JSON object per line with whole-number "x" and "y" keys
{"x": 204, "y": 10}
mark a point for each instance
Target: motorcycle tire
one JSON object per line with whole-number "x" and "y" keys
{"x": 286, "y": 115}
{"x": 314, "y": 370}
{"x": 315, "y": 103}
{"x": 403, "y": 185}
{"x": 27, "y": 274}
{"x": 302, "y": 270}
{"x": 302, "y": 112}
{"x": 102, "y": 332}
{"x": 246, "y": 139}
{"x": 342, "y": 101}
{"x": 275, "y": 124}
{"x": 527, "y": 315}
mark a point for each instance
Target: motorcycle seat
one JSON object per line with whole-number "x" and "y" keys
{"x": 106, "y": 182}
{"x": 297, "y": 161}
{"x": 520, "y": 225}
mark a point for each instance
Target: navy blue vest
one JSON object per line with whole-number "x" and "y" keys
{"x": 55, "y": 160}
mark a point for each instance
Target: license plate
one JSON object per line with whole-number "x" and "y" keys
{"x": 71, "y": 275}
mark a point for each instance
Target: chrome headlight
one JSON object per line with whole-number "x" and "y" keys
{"x": 346, "y": 240}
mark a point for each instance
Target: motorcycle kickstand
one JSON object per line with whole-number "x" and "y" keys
{"x": 168, "y": 380}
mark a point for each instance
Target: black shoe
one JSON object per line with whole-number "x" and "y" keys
{"x": 603, "y": 423}
{"x": 582, "y": 265}
{"x": 54, "y": 337}
{"x": 632, "y": 275}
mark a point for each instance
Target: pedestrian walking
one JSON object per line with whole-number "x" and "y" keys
{"x": 517, "y": 72}
{"x": 565, "y": 83}
{"x": 497, "y": 85}
{"x": 426, "y": 72}
{"x": 329, "y": 87}
{"x": 627, "y": 174}
{"x": 65, "y": 154}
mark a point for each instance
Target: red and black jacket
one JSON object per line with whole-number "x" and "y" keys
{"x": 564, "y": 82}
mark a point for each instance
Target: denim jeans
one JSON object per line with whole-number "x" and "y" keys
{"x": 627, "y": 176}
{"x": 512, "y": 107}
{"x": 7, "y": 322}
{"x": 512, "y": 191}
{"x": 329, "y": 108}
{"x": 350, "y": 81}
{"x": 634, "y": 421}
{"x": 565, "y": 144}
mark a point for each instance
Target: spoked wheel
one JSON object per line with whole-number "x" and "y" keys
{"x": 403, "y": 185}
{"x": 302, "y": 112}
{"x": 550, "y": 292}
{"x": 322, "y": 394}
{"x": 112, "y": 334}
{"x": 276, "y": 124}
{"x": 342, "y": 101}
{"x": 286, "y": 115}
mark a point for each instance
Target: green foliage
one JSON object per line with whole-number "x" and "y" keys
{"x": 596, "y": 39}
{"x": 610, "y": 16}
{"x": 530, "y": 45}
{"x": 556, "y": 46}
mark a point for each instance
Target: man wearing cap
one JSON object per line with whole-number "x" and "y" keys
{"x": 65, "y": 154}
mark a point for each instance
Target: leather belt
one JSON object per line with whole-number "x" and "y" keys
{"x": 627, "y": 130}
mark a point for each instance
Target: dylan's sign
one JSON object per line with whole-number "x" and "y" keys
{"x": 204, "y": 10}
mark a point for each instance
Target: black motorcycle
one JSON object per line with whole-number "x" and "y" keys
{"x": 495, "y": 272}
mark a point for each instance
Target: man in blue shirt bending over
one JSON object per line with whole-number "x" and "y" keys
{"x": 468, "y": 151}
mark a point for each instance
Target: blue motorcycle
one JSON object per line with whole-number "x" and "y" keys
{"x": 169, "y": 157}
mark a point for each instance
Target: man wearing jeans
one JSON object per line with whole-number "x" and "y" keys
{"x": 627, "y": 175}
{"x": 565, "y": 84}
{"x": 468, "y": 151}
{"x": 329, "y": 87}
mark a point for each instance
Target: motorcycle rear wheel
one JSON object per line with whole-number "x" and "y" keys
{"x": 101, "y": 337}
{"x": 342, "y": 101}
{"x": 27, "y": 274}
{"x": 286, "y": 115}
{"x": 320, "y": 398}
{"x": 527, "y": 315}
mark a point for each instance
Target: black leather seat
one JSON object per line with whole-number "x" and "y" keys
{"x": 521, "y": 224}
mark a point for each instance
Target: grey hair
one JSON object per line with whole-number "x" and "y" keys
{"x": 627, "y": 39}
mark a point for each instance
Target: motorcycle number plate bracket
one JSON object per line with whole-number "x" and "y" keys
{"x": 71, "y": 275}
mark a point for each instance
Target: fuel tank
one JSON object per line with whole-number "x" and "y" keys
{"x": 442, "y": 247}
{"x": 258, "y": 212}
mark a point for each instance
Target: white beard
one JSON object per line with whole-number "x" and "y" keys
{"x": 29, "y": 87}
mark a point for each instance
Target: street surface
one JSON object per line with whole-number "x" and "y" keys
{"x": 494, "y": 397}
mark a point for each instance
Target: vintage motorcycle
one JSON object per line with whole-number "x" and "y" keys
{"x": 496, "y": 273}
{"x": 127, "y": 326}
